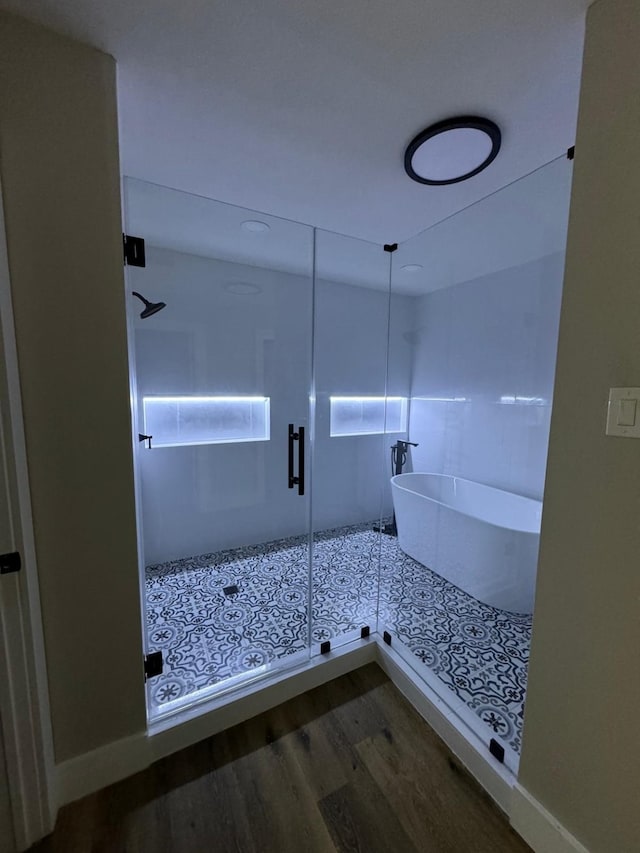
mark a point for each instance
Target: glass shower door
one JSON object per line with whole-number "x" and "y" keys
{"x": 352, "y": 430}
{"x": 221, "y": 321}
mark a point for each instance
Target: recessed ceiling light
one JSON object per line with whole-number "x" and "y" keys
{"x": 411, "y": 267}
{"x": 452, "y": 150}
{"x": 255, "y": 226}
{"x": 244, "y": 288}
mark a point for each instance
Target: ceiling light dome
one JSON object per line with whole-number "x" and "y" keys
{"x": 452, "y": 150}
{"x": 256, "y": 226}
{"x": 244, "y": 288}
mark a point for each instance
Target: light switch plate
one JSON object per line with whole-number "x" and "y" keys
{"x": 623, "y": 413}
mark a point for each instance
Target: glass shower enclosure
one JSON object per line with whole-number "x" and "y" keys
{"x": 457, "y": 584}
{"x": 259, "y": 353}
{"x": 283, "y": 379}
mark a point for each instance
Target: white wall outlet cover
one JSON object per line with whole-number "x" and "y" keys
{"x": 623, "y": 413}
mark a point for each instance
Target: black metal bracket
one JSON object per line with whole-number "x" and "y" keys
{"x": 133, "y": 249}
{"x": 386, "y": 636}
{"x": 496, "y": 750}
{"x": 152, "y": 665}
{"x": 390, "y": 247}
{"x": 10, "y": 563}
{"x": 325, "y": 647}
{"x": 571, "y": 152}
{"x": 148, "y": 438}
{"x": 364, "y": 632}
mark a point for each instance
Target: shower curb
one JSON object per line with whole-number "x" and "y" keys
{"x": 90, "y": 772}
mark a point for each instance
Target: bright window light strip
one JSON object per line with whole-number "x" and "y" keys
{"x": 177, "y": 421}
{"x": 442, "y": 399}
{"x": 367, "y": 399}
{"x": 509, "y": 400}
{"x": 188, "y": 399}
{"x": 367, "y": 415}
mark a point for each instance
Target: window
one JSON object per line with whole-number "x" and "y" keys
{"x": 175, "y": 421}
{"x": 366, "y": 415}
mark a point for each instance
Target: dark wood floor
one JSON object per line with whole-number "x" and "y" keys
{"x": 347, "y": 767}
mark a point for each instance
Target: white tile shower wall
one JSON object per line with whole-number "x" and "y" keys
{"x": 482, "y": 378}
{"x": 351, "y": 474}
{"x": 208, "y": 340}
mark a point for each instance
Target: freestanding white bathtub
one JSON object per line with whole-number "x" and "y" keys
{"x": 481, "y": 539}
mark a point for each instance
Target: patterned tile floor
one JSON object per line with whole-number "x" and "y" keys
{"x": 479, "y": 652}
{"x": 209, "y": 635}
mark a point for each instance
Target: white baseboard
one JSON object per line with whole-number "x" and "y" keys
{"x": 494, "y": 777}
{"x": 538, "y": 827}
{"x": 94, "y": 770}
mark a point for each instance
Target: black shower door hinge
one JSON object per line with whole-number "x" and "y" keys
{"x": 10, "y": 563}
{"x": 152, "y": 665}
{"x": 133, "y": 248}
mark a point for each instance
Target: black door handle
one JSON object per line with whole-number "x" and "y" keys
{"x": 300, "y": 477}
{"x": 291, "y": 440}
{"x": 292, "y": 479}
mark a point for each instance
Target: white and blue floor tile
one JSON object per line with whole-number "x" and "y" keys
{"x": 209, "y": 635}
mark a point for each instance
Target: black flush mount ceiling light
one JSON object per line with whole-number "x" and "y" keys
{"x": 452, "y": 150}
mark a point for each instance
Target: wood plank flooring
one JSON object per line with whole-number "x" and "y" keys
{"x": 350, "y": 766}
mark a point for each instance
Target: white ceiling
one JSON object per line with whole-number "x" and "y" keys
{"x": 303, "y": 108}
{"x": 522, "y": 222}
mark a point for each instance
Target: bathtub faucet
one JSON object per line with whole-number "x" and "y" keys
{"x": 399, "y": 455}
{"x": 398, "y": 458}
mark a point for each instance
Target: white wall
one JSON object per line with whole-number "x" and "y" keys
{"x": 490, "y": 343}
{"x": 208, "y": 341}
{"x": 581, "y": 744}
{"x": 199, "y": 499}
{"x": 351, "y": 473}
{"x": 61, "y": 188}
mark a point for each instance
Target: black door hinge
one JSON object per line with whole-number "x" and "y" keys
{"x": 133, "y": 248}
{"x": 571, "y": 152}
{"x": 152, "y": 665}
{"x": 10, "y": 563}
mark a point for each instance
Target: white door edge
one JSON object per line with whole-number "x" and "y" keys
{"x": 24, "y": 701}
